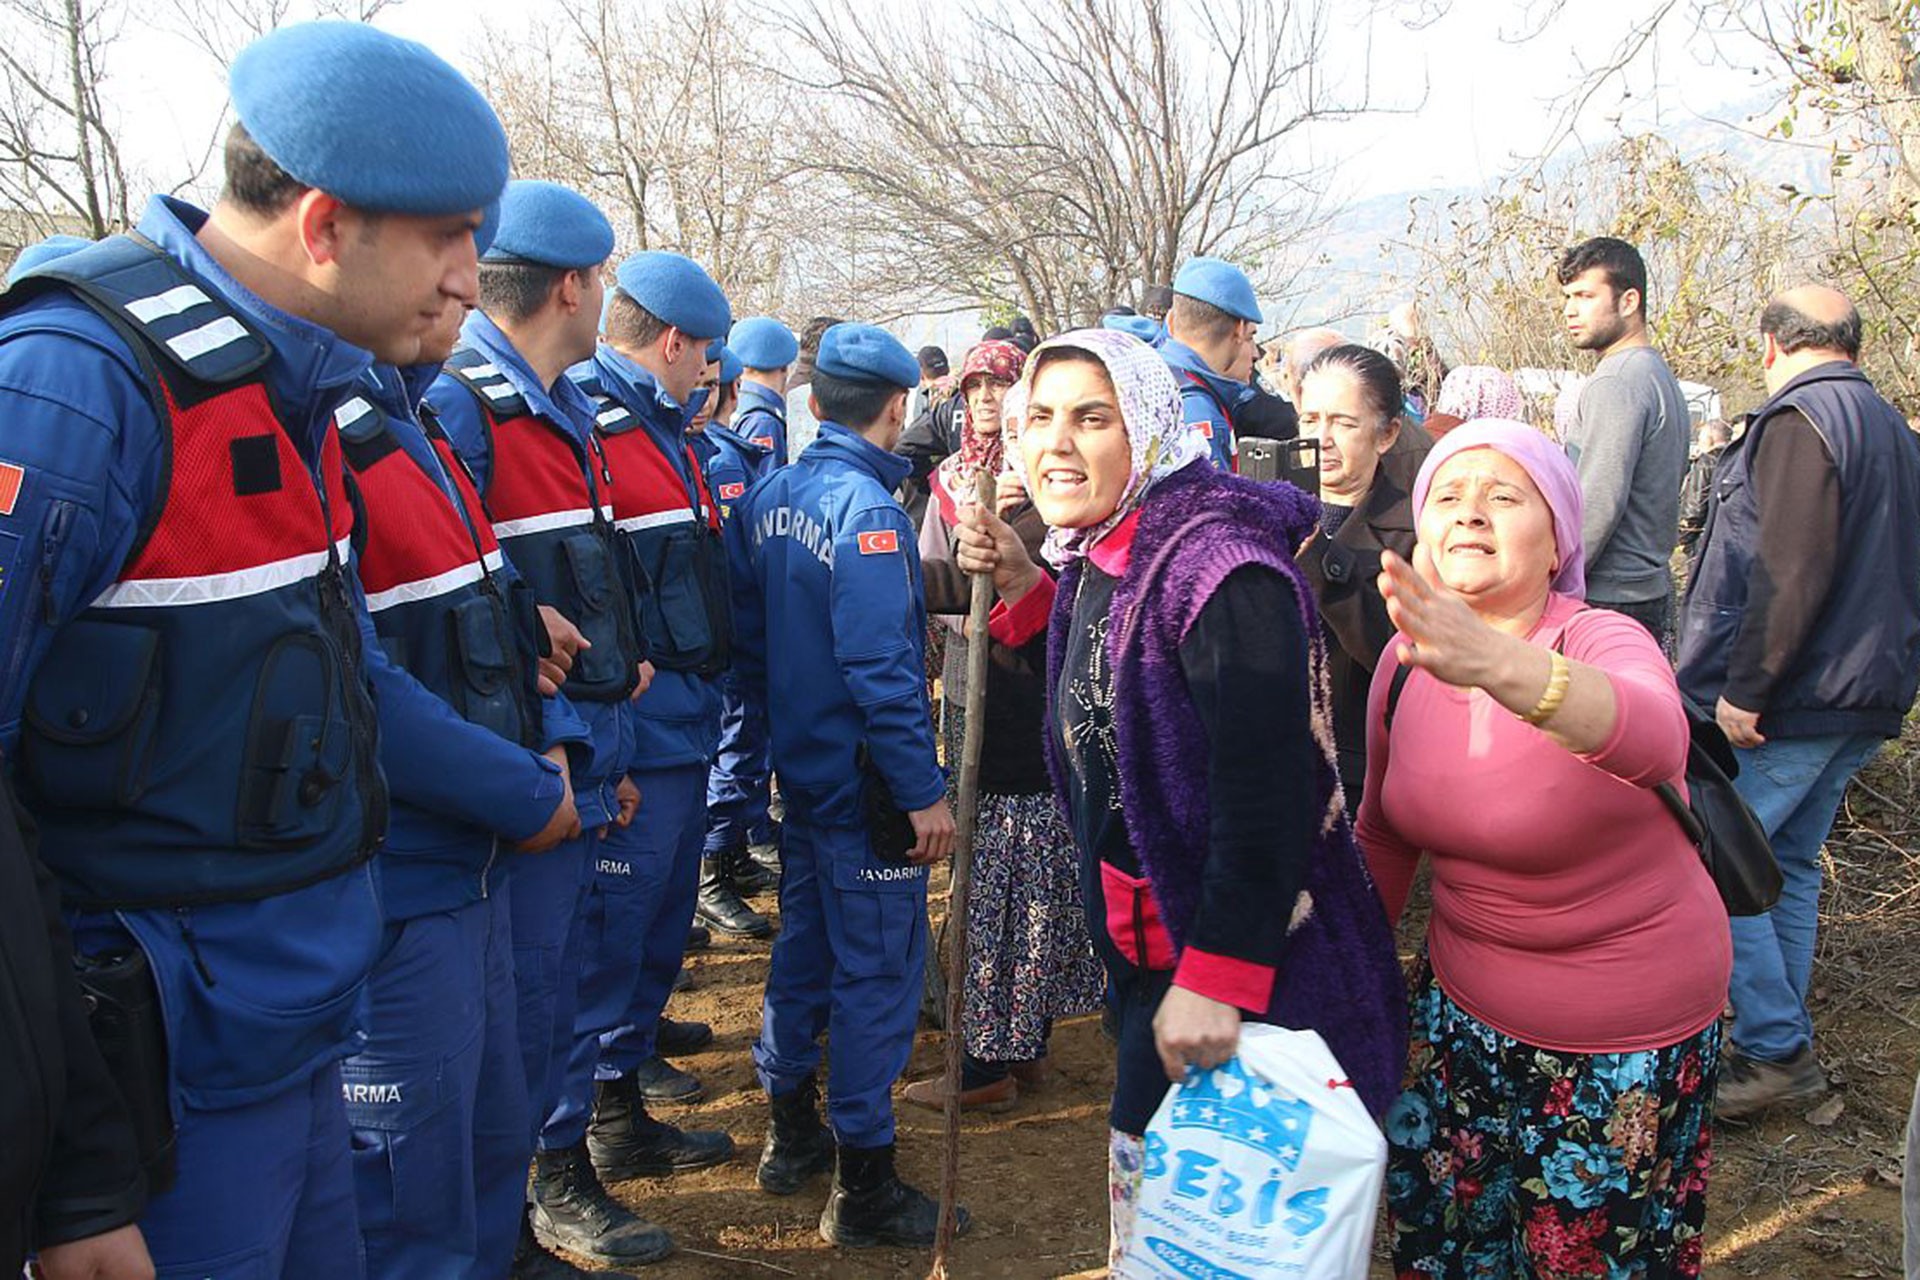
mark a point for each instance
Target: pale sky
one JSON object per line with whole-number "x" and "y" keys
{"x": 1477, "y": 99}
{"x": 1474, "y": 99}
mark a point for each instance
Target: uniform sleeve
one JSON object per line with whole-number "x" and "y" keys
{"x": 1797, "y": 489}
{"x": 1200, "y": 410}
{"x": 877, "y": 629}
{"x": 749, "y": 610}
{"x": 437, "y": 760}
{"x": 79, "y": 471}
{"x": 1245, "y": 662}
{"x": 1611, "y": 415}
{"x": 459, "y": 416}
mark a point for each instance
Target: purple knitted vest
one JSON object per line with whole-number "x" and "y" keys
{"x": 1339, "y": 974}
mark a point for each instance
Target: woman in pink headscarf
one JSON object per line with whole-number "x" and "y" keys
{"x": 1565, "y": 1028}
{"x": 1030, "y": 959}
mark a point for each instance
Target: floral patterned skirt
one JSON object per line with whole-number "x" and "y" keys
{"x": 1029, "y": 957}
{"x": 1511, "y": 1160}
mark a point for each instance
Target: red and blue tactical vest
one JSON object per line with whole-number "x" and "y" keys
{"x": 203, "y": 731}
{"x": 546, "y": 497}
{"x": 671, "y": 528}
{"x": 444, "y": 607}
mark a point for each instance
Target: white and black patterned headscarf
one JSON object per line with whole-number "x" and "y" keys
{"x": 1162, "y": 441}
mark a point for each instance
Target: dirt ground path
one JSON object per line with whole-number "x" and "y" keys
{"x": 1805, "y": 1195}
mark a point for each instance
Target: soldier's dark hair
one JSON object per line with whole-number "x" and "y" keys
{"x": 1796, "y": 331}
{"x": 514, "y": 291}
{"x": 629, "y": 324}
{"x": 1378, "y": 377}
{"x": 815, "y": 329}
{"x": 253, "y": 181}
{"x": 853, "y": 403}
{"x": 1200, "y": 319}
{"x": 1624, "y": 267}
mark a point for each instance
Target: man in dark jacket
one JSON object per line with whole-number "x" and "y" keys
{"x": 1802, "y": 631}
{"x": 1698, "y": 487}
{"x": 70, "y": 1178}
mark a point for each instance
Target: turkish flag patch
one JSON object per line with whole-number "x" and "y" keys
{"x": 765, "y": 442}
{"x": 1206, "y": 428}
{"x": 884, "y": 542}
{"x": 12, "y": 480}
{"x": 731, "y": 491}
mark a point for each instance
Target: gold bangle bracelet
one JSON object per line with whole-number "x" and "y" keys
{"x": 1558, "y": 678}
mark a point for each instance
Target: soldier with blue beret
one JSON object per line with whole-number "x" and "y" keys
{"x": 768, "y": 349}
{"x": 1209, "y": 346}
{"x": 525, "y": 433}
{"x": 831, "y": 633}
{"x": 194, "y": 693}
{"x": 644, "y": 381}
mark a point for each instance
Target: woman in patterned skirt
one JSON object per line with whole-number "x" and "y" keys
{"x": 1029, "y": 957}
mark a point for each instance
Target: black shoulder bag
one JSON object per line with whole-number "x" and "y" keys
{"x": 1716, "y": 819}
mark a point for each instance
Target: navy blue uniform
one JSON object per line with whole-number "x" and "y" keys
{"x": 544, "y": 484}
{"x": 825, "y": 561}
{"x": 185, "y": 705}
{"x": 1208, "y": 400}
{"x": 738, "y": 786}
{"x": 761, "y": 419}
{"x": 641, "y": 902}
{"x": 438, "y": 1097}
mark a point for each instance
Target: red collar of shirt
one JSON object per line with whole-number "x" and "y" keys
{"x": 1111, "y": 554}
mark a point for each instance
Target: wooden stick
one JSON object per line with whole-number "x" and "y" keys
{"x": 960, "y": 889}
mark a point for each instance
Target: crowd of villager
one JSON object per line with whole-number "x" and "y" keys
{"x": 423, "y": 629}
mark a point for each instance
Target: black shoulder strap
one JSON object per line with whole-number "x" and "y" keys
{"x": 365, "y": 434}
{"x": 1401, "y": 674}
{"x": 147, "y": 293}
{"x": 498, "y": 399}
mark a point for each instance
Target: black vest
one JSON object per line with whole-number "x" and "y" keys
{"x": 1858, "y": 668}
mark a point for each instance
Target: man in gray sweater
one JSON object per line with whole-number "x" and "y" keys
{"x": 1630, "y": 443}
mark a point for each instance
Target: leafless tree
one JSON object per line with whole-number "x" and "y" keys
{"x": 1059, "y": 159}
{"x": 60, "y": 164}
{"x": 1718, "y": 243}
{"x": 655, "y": 111}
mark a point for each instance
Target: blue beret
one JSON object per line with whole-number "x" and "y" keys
{"x": 1145, "y": 328}
{"x": 677, "y": 290}
{"x": 1220, "y": 283}
{"x": 730, "y": 367}
{"x": 374, "y": 120}
{"x": 866, "y": 353}
{"x": 555, "y": 226}
{"x": 762, "y": 342}
{"x": 38, "y": 255}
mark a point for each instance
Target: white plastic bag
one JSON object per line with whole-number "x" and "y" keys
{"x": 1268, "y": 1166}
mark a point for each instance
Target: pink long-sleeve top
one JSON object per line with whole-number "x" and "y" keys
{"x": 1570, "y": 911}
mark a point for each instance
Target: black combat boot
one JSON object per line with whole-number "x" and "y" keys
{"x": 572, "y": 1211}
{"x": 747, "y": 876}
{"x": 719, "y": 906}
{"x": 870, "y": 1207}
{"x": 798, "y": 1145}
{"x": 767, "y": 857}
{"x": 531, "y": 1261}
{"x": 625, "y": 1142}
{"x": 672, "y": 1037}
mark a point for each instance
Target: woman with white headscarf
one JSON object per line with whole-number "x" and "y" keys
{"x": 1189, "y": 738}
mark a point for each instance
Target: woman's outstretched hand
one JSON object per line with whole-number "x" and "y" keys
{"x": 1441, "y": 633}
